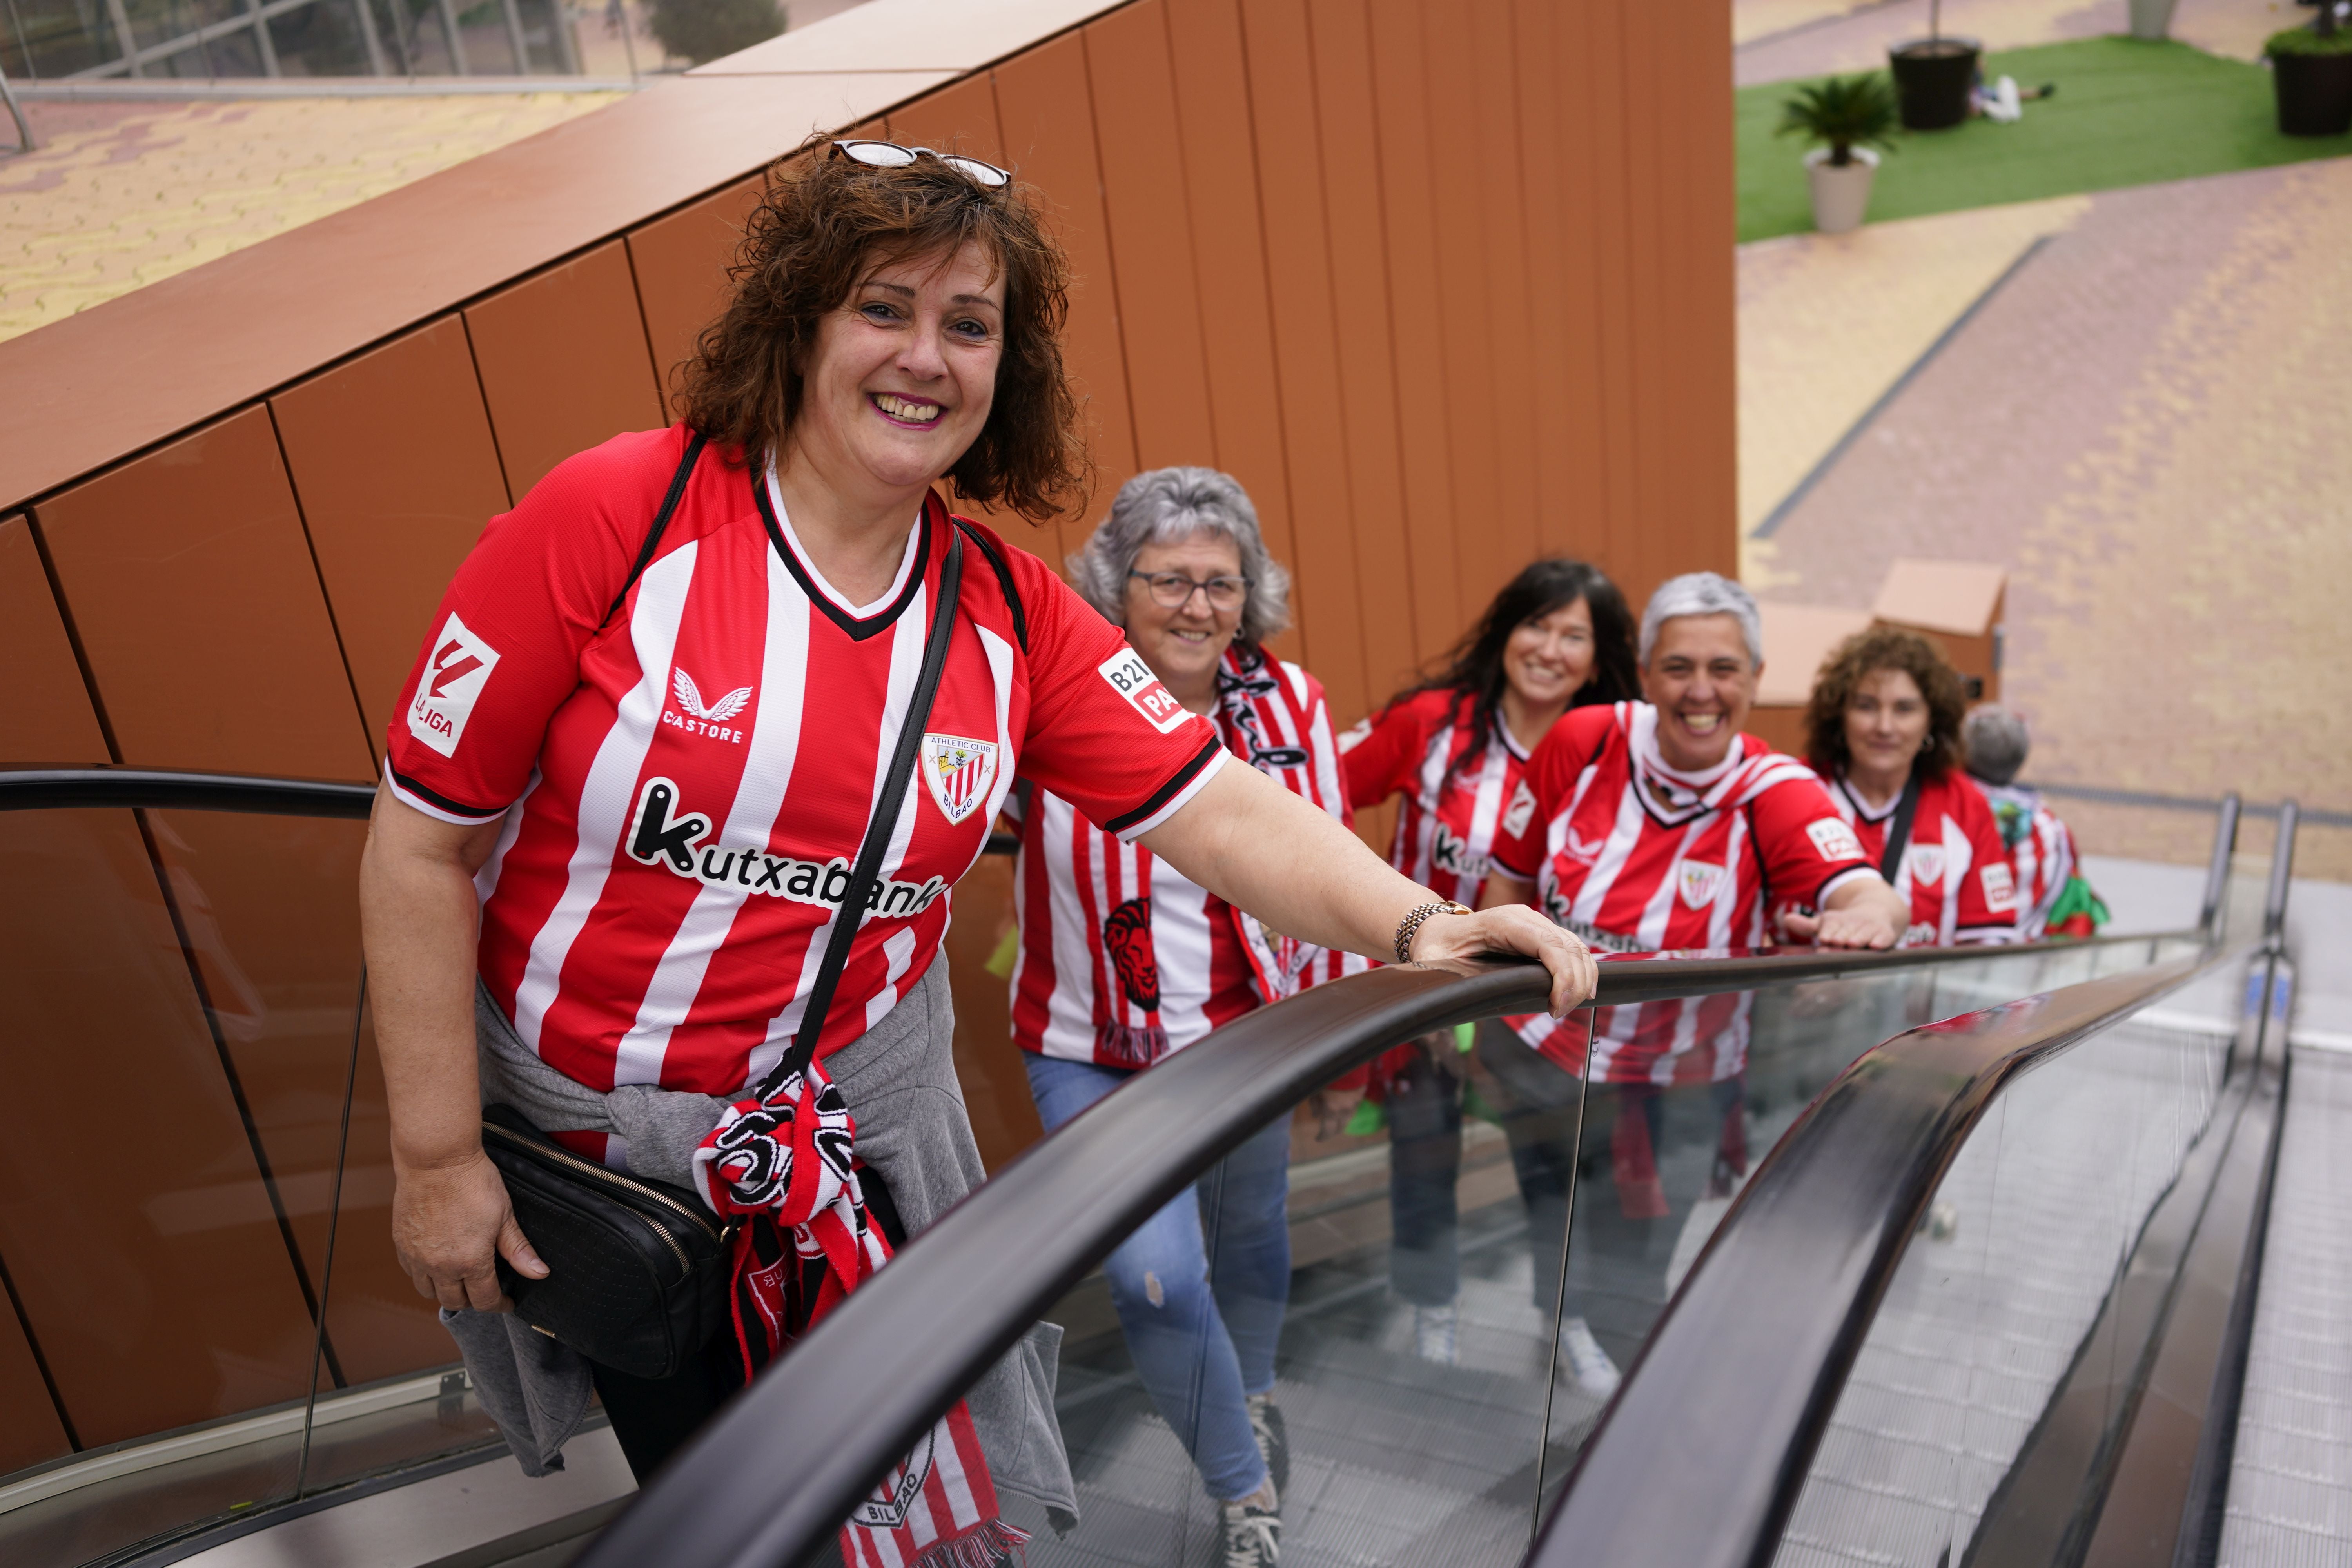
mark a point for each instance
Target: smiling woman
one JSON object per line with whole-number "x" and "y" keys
{"x": 705, "y": 726}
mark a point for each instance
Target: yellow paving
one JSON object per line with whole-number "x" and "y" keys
{"x": 1828, "y": 322}
{"x": 120, "y": 195}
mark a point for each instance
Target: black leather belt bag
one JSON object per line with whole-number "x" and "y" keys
{"x": 638, "y": 1271}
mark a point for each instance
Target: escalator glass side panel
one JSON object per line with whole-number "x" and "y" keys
{"x": 182, "y": 991}
{"x": 1391, "y": 1273}
{"x": 2007, "y": 1345}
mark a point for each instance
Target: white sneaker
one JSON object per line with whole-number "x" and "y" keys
{"x": 1252, "y": 1534}
{"x": 1588, "y": 1363}
{"x": 1437, "y": 1333}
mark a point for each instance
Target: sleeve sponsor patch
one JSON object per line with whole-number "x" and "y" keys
{"x": 1132, "y": 679}
{"x": 1999, "y": 891}
{"x": 1834, "y": 839}
{"x": 455, "y": 673}
{"x": 1523, "y": 807}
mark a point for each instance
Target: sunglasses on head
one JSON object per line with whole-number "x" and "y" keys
{"x": 890, "y": 155}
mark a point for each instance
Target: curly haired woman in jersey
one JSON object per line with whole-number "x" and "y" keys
{"x": 1882, "y": 730}
{"x": 1451, "y": 750}
{"x": 645, "y": 741}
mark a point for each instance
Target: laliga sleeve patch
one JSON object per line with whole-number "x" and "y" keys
{"x": 1834, "y": 839}
{"x": 1999, "y": 891}
{"x": 1523, "y": 807}
{"x": 1132, "y": 679}
{"x": 455, "y": 673}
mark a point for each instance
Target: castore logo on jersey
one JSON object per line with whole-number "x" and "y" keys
{"x": 701, "y": 718}
{"x": 658, "y": 838}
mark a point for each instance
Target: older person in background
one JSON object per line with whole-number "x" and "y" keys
{"x": 1644, "y": 827}
{"x": 2053, "y": 898}
{"x": 1882, "y": 730}
{"x": 1124, "y": 960}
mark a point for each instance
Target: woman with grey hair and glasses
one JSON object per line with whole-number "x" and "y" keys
{"x": 1124, "y": 959}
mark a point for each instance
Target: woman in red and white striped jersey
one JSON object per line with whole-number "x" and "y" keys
{"x": 1124, "y": 959}
{"x": 1452, "y": 750}
{"x": 1883, "y": 728}
{"x": 634, "y": 764}
{"x": 1649, "y": 826}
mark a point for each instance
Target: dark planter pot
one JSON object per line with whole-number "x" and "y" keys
{"x": 1933, "y": 77}
{"x": 2314, "y": 93}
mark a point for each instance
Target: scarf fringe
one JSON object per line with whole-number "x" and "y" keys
{"x": 991, "y": 1543}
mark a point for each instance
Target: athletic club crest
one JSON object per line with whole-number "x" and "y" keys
{"x": 960, "y": 773}
{"x": 1927, "y": 862}
{"x": 1699, "y": 881}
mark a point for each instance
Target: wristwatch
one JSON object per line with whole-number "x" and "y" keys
{"x": 1416, "y": 916}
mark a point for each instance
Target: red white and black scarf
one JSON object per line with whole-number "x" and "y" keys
{"x": 785, "y": 1166}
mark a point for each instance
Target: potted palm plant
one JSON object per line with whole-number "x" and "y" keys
{"x": 2311, "y": 71}
{"x": 1845, "y": 117}
{"x": 1934, "y": 75}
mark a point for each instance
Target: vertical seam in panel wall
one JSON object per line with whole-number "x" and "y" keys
{"x": 1274, "y": 323}
{"x": 1192, "y": 230}
{"x": 359, "y": 709}
{"x": 236, "y": 1085}
{"x": 73, "y": 634}
{"x": 1110, "y": 248}
{"x": 33, "y": 1343}
{"x": 1389, "y": 290}
{"x": 473, "y": 361}
{"x": 637, "y": 298}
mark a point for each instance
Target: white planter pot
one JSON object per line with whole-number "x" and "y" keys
{"x": 1840, "y": 195}
{"x": 2150, "y": 19}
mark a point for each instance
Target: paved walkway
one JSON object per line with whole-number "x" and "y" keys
{"x": 124, "y": 194}
{"x": 2144, "y": 427}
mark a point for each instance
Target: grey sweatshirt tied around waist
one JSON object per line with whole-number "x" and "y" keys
{"x": 899, "y": 1081}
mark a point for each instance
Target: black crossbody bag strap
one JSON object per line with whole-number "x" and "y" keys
{"x": 878, "y": 831}
{"x": 1898, "y": 832}
{"x": 661, "y": 522}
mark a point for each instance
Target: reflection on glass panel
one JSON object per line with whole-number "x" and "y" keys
{"x": 1997, "y": 1299}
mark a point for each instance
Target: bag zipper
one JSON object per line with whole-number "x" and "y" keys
{"x": 613, "y": 1179}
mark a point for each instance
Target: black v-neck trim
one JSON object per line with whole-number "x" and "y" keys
{"x": 882, "y": 619}
{"x": 1862, "y": 811}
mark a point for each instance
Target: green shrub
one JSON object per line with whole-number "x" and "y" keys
{"x": 703, "y": 30}
{"x": 1842, "y": 112}
{"x": 2304, "y": 41}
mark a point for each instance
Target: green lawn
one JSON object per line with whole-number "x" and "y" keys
{"x": 2126, "y": 114}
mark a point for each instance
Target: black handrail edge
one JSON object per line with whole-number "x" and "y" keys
{"x": 66, "y": 789}
{"x": 814, "y": 1434}
{"x": 69, "y": 789}
{"x": 1787, "y": 1287}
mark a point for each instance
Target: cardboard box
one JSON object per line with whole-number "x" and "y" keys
{"x": 1796, "y": 639}
{"x": 1957, "y": 606}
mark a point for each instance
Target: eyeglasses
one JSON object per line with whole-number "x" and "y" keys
{"x": 1173, "y": 590}
{"x": 890, "y": 155}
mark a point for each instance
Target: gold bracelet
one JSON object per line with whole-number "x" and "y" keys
{"x": 1414, "y": 916}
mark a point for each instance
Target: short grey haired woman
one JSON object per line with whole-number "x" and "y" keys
{"x": 1125, "y": 960}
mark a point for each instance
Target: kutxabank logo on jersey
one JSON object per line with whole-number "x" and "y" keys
{"x": 661, "y": 835}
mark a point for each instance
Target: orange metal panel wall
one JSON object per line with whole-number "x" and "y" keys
{"x": 44, "y": 714}
{"x": 564, "y": 363}
{"x": 394, "y": 465}
{"x": 680, "y": 265}
{"x": 189, "y": 579}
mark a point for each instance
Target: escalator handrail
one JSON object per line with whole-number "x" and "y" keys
{"x": 67, "y": 789}
{"x": 774, "y": 1475}
{"x": 1739, "y": 1377}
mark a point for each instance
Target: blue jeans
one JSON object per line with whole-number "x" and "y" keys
{"x": 1201, "y": 1315}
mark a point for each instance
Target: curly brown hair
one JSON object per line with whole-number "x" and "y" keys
{"x": 824, "y": 223}
{"x": 1855, "y": 660}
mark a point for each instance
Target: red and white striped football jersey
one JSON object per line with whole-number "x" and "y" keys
{"x": 683, "y": 788}
{"x": 2041, "y": 854}
{"x": 1635, "y": 857}
{"x": 1955, "y": 873}
{"x": 1122, "y": 959}
{"x": 1446, "y": 825}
